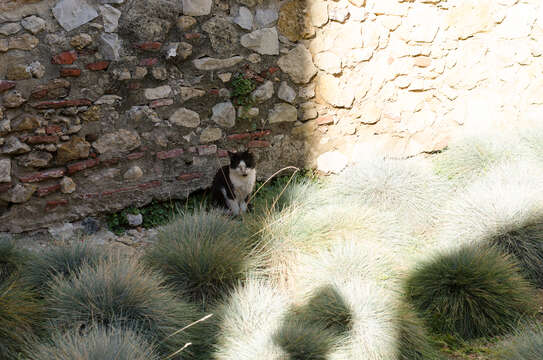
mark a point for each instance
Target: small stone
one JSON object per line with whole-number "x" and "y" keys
{"x": 36, "y": 159}
{"x": 244, "y": 18}
{"x": 72, "y": 14}
{"x": 264, "y": 41}
{"x": 308, "y": 111}
{"x": 254, "y": 58}
{"x": 5, "y": 125}
{"x": 184, "y": 23}
{"x": 210, "y": 135}
{"x": 62, "y": 232}
{"x": 179, "y": 51}
{"x": 282, "y": 112}
{"x": 36, "y": 69}
{"x": 13, "y": 99}
{"x": 318, "y": 12}
{"x": 338, "y": 13}
{"x": 248, "y": 113}
{"x": 358, "y": 3}
{"x": 187, "y": 93}
{"x": 286, "y": 93}
{"x": 263, "y": 92}
{"x": 81, "y": 41}
{"x": 108, "y": 100}
{"x": 110, "y": 46}
{"x": 225, "y": 77}
{"x": 334, "y": 92}
{"x": 160, "y": 73}
{"x": 294, "y": 23}
{"x": 33, "y": 23}
{"x": 160, "y": 92}
{"x": 110, "y": 16}
{"x": 197, "y": 7}
{"x": 209, "y": 63}
{"x": 266, "y": 16}
{"x": 370, "y": 113}
{"x": 26, "y": 122}
{"x": 76, "y": 148}
{"x": 331, "y": 162}
{"x": 185, "y": 117}
{"x": 90, "y": 225}
{"x": 117, "y": 142}
{"x": 134, "y": 173}
{"x": 224, "y": 114}
{"x": 67, "y": 185}
{"x": 298, "y": 64}
{"x": 307, "y": 92}
{"x": 94, "y": 113}
{"x": 19, "y": 193}
{"x": 5, "y": 170}
{"x": 13, "y": 146}
{"x": 10, "y": 29}
{"x": 18, "y": 72}
{"x": 134, "y": 220}
{"x": 329, "y": 62}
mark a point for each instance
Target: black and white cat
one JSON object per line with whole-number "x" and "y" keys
{"x": 234, "y": 183}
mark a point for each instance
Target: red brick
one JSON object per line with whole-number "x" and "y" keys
{"x": 57, "y": 104}
{"x": 39, "y": 93}
{"x": 46, "y": 190}
{"x": 188, "y": 177}
{"x": 5, "y": 187}
{"x": 325, "y": 120}
{"x": 53, "y": 129}
{"x": 6, "y": 85}
{"x": 149, "y": 185}
{"x": 162, "y": 155}
{"x": 252, "y": 135}
{"x": 207, "y": 149}
{"x": 148, "y": 62}
{"x": 64, "y": 58}
{"x": 116, "y": 191}
{"x": 90, "y": 196}
{"x": 110, "y": 162}
{"x": 82, "y": 165}
{"x": 273, "y": 70}
{"x": 97, "y": 66}
{"x": 135, "y": 156}
{"x": 149, "y": 46}
{"x": 134, "y": 85}
{"x": 86, "y": 52}
{"x": 192, "y": 36}
{"x": 258, "y": 144}
{"x": 222, "y": 153}
{"x": 43, "y": 175}
{"x": 53, "y": 204}
{"x": 70, "y": 72}
{"x": 213, "y": 91}
{"x": 160, "y": 103}
{"x": 40, "y": 139}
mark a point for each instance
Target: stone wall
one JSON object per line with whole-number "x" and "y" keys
{"x": 110, "y": 103}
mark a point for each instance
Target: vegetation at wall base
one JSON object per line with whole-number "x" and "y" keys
{"x": 526, "y": 345}
{"x": 12, "y": 259}
{"x": 60, "y": 261}
{"x": 202, "y": 255}
{"x": 470, "y": 292}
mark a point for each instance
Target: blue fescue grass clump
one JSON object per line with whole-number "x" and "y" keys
{"x": 414, "y": 342}
{"x": 469, "y": 293}
{"x": 60, "y": 261}
{"x": 526, "y": 345}
{"x": 123, "y": 294}
{"x": 12, "y": 259}
{"x": 98, "y": 343}
{"x": 202, "y": 255}
{"x": 20, "y": 318}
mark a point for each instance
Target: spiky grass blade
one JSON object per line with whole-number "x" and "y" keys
{"x": 248, "y": 320}
{"x": 60, "y": 261}
{"x": 98, "y": 343}
{"x": 12, "y": 259}
{"x": 503, "y": 209}
{"x": 203, "y": 255}
{"x": 122, "y": 294}
{"x": 526, "y": 345}
{"x": 471, "y": 292}
{"x": 20, "y": 318}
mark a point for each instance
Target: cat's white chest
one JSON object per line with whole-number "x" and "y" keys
{"x": 243, "y": 185}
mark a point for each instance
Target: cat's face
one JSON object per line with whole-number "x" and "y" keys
{"x": 241, "y": 163}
